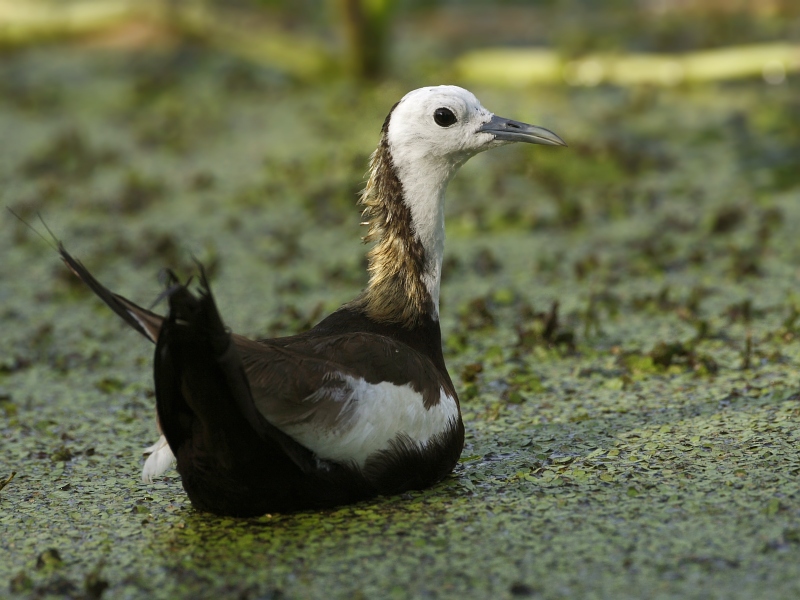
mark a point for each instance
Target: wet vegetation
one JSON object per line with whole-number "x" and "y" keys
{"x": 621, "y": 319}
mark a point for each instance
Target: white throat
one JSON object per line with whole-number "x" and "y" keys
{"x": 424, "y": 182}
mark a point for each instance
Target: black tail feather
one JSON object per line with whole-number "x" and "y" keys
{"x": 232, "y": 461}
{"x": 142, "y": 320}
{"x": 195, "y": 329}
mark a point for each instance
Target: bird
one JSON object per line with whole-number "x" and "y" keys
{"x": 361, "y": 404}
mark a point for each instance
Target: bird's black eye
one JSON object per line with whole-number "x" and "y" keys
{"x": 444, "y": 117}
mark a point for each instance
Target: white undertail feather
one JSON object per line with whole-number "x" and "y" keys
{"x": 159, "y": 461}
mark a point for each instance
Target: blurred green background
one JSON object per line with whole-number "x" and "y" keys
{"x": 372, "y": 39}
{"x": 621, "y": 317}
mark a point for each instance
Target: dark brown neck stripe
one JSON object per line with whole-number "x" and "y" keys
{"x": 395, "y": 293}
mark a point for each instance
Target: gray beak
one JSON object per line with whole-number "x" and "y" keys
{"x": 514, "y": 131}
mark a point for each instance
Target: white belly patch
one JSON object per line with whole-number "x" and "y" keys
{"x": 372, "y": 416}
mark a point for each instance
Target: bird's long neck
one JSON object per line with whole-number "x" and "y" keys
{"x": 404, "y": 210}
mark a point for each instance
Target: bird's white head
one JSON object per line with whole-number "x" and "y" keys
{"x": 445, "y": 125}
{"x": 427, "y": 136}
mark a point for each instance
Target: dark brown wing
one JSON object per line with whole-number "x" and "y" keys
{"x": 307, "y": 379}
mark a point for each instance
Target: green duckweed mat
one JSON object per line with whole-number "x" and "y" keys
{"x": 621, "y": 319}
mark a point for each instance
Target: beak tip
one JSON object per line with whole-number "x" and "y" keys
{"x": 556, "y": 140}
